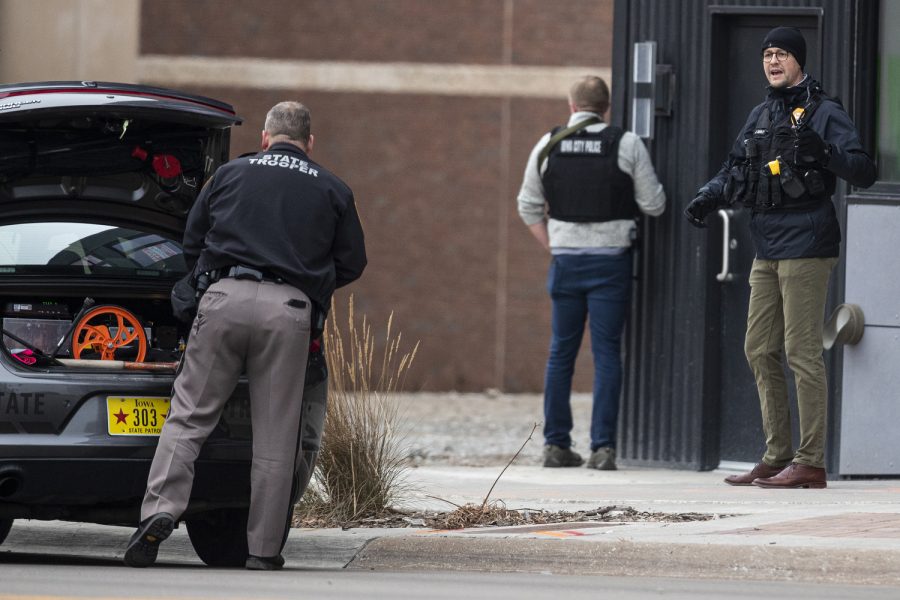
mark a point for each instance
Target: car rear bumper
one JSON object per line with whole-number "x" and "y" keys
{"x": 107, "y": 490}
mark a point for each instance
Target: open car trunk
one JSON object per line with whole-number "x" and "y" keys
{"x": 77, "y": 293}
{"x": 96, "y": 181}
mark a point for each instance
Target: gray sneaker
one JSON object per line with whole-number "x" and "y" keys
{"x": 556, "y": 456}
{"x": 603, "y": 459}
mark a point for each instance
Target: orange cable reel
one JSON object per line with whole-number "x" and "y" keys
{"x": 93, "y": 333}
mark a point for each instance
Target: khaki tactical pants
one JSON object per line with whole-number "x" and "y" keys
{"x": 262, "y": 328}
{"x": 786, "y": 314}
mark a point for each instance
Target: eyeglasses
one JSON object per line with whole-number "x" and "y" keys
{"x": 779, "y": 54}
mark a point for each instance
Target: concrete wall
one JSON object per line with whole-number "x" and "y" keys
{"x": 427, "y": 109}
{"x": 42, "y": 40}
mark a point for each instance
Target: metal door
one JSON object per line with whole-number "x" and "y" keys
{"x": 738, "y": 83}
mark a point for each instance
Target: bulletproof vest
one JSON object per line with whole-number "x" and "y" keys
{"x": 771, "y": 177}
{"x": 583, "y": 182}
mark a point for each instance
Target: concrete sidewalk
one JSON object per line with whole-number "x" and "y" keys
{"x": 849, "y": 532}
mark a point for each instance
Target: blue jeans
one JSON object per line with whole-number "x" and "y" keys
{"x": 597, "y": 288}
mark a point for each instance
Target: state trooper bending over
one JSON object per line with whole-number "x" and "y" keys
{"x": 277, "y": 233}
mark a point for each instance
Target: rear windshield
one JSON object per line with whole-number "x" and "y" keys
{"x": 88, "y": 249}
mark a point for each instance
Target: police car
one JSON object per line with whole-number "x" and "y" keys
{"x": 96, "y": 180}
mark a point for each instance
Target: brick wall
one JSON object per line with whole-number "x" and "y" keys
{"x": 409, "y": 107}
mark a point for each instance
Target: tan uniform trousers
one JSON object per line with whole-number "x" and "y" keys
{"x": 262, "y": 328}
{"x": 786, "y": 315}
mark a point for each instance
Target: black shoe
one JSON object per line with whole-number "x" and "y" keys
{"x": 264, "y": 563}
{"x": 556, "y": 456}
{"x": 144, "y": 544}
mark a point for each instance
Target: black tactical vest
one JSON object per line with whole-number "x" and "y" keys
{"x": 771, "y": 177}
{"x": 583, "y": 182}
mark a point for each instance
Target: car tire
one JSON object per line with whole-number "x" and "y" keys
{"x": 5, "y": 526}
{"x": 219, "y": 537}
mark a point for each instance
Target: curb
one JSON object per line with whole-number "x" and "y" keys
{"x": 625, "y": 558}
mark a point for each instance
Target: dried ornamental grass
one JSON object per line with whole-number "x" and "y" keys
{"x": 359, "y": 473}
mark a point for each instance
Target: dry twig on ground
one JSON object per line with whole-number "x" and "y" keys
{"x": 486, "y": 514}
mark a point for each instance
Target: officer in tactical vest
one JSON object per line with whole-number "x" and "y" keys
{"x": 783, "y": 168}
{"x": 275, "y": 233}
{"x": 584, "y": 186}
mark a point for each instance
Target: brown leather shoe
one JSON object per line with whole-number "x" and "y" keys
{"x": 795, "y": 475}
{"x": 760, "y": 470}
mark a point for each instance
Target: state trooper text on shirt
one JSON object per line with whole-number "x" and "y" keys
{"x": 284, "y": 161}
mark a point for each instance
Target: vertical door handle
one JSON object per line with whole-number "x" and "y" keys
{"x": 726, "y": 215}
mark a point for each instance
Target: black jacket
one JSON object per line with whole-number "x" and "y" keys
{"x": 283, "y": 213}
{"x": 813, "y": 233}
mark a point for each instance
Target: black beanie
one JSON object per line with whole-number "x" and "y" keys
{"x": 787, "y": 38}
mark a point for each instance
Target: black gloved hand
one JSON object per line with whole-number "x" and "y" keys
{"x": 698, "y": 208}
{"x": 811, "y": 148}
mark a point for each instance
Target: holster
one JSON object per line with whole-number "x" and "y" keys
{"x": 185, "y": 298}
{"x": 318, "y": 317}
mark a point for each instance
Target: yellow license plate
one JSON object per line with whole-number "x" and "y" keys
{"x": 130, "y": 415}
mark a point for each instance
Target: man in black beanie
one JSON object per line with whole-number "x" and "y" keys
{"x": 783, "y": 167}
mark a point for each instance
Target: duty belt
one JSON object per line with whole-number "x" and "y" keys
{"x": 242, "y": 272}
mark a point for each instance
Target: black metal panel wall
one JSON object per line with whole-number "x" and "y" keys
{"x": 669, "y": 414}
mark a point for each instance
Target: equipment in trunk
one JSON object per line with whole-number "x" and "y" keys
{"x": 108, "y": 336}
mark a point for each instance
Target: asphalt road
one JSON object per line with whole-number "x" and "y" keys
{"x": 26, "y": 576}
{"x": 56, "y": 560}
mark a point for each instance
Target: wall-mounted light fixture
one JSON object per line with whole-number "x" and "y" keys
{"x": 643, "y": 77}
{"x": 653, "y": 89}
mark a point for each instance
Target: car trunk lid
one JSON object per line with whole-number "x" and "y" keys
{"x": 76, "y": 148}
